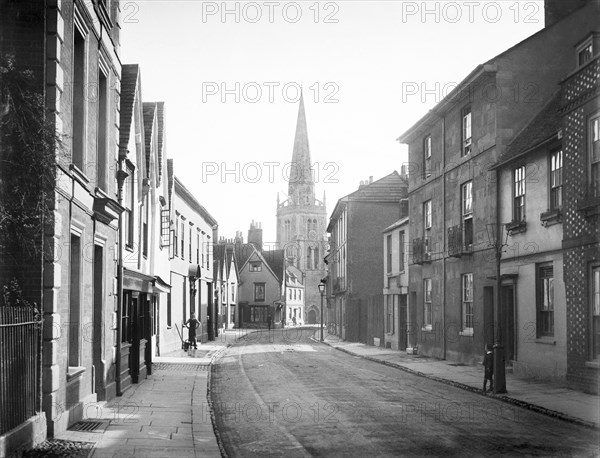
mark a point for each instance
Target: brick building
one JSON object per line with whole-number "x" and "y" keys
{"x": 453, "y": 198}
{"x": 355, "y": 261}
{"x": 580, "y": 109}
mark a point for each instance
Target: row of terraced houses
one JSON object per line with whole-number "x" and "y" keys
{"x": 119, "y": 252}
{"x": 504, "y": 176}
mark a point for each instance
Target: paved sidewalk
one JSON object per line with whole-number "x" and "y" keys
{"x": 166, "y": 415}
{"x": 560, "y": 402}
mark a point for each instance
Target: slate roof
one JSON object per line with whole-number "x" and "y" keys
{"x": 130, "y": 77}
{"x": 189, "y": 198}
{"x": 276, "y": 260}
{"x": 391, "y": 188}
{"x": 170, "y": 178}
{"x": 160, "y": 113}
{"x": 541, "y": 128}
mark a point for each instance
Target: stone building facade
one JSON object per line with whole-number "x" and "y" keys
{"x": 72, "y": 50}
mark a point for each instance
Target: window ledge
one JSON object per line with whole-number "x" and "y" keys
{"x": 551, "y": 217}
{"x": 74, "y": 372}
{"x": 545, "y": 340}
{"x": 79, "y": 175}
{"x": 427, "y": 329}
{"x": 466, "y": 333}
{"x": 593, "y": 364}
{"x": 516, "y": 227}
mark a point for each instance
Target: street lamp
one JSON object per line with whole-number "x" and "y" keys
{"x": 494, "y": 233}
{"x": 322, "y": 291}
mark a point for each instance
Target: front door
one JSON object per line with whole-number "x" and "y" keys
{"x": 403, "y": 322}
{"x": 134, "y": 352}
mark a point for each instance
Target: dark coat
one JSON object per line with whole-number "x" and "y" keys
{"x": 488, "y": 363}
{"x": 192, "y": 324}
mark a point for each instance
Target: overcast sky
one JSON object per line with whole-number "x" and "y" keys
{"x": 229, "y": 74}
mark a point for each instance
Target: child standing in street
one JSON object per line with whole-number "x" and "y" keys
{"x": 488, "y": 364}
{"x": 192, "y": 324}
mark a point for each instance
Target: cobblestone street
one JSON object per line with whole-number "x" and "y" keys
{"x": 285, "y": 395}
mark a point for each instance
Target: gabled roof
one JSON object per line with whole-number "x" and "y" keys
{"x": 273, "y": 260}
{"x": 543, "y": 127}
{"x": 218, "y": 257}
{"x": 130, "y": 80}
{"x": 149, "y": 114}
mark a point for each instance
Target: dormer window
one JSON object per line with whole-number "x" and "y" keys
{"x": 585, "y": 53}
{"x": 255, "y": 266}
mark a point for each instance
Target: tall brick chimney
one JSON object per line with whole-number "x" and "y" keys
{"x": 555, "y": 10}
{"x": 255, "y": 235}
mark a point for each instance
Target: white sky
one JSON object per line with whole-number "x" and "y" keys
{"x": 358, "y": 76}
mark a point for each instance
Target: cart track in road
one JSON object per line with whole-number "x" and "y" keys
{"x": 275, "y": 397}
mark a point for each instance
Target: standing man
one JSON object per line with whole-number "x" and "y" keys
{"x": 269, "y": 322}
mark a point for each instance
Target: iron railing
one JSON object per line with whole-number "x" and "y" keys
{"x": 20, "y": 338}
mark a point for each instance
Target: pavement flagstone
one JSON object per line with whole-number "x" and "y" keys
{"x": 166, "y": 415}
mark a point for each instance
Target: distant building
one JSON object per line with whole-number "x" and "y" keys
{"x": 355, "y": 259}
{"x": 398, "y": 320}
{"x": 301, "y": 221}
{"x": 294, "y": 296}
{"x": 226, "y": 283}
{"x": 260, "y": 283}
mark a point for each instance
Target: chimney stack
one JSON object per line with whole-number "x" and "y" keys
{"x": 255, "y": 235}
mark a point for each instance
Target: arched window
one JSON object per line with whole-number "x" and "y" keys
{"x": 309, "y": 261}
{"x": 316, "y": 258}
{"x": 287, "y": 229}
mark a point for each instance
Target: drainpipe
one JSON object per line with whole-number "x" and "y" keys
{"x": 121, "y": 176}
{"x": 444, "y": 238}
{"x": 41, "y": 306}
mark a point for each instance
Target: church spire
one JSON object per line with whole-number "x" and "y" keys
{"x": 301, "y": 181}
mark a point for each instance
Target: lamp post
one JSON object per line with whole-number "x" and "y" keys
{"x": 494, "y": 233}
{"x": 322, "y": 291}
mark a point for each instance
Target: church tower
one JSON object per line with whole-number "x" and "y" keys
{"x": 302, "y": 221}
